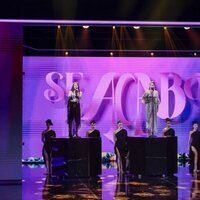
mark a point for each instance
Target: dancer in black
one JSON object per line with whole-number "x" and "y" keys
{"x": 120, "y": 138}
{"x": 93, "y": 132}
{"x": 194, "y": 144}
{"x": 47, "y": 135}
{"x": 168, "y": 130}
{"x": 74, "y": 111}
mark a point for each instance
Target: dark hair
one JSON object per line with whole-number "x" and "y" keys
{"x": 168, "y": 120}
{"x": 48, "y": 121}
{"x": 119, "y": 121}
{"x": 72, "y": 88}
{"x": 195, "y": 122}
{"x": 92, "y": 122}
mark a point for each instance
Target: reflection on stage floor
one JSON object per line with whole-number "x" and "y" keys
{"x": 109, "y": 185}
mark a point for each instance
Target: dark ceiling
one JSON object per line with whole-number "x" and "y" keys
{"x": 162, "y": 10}
{"x": 100, "y": 40}
{"x": 101, "y": 37}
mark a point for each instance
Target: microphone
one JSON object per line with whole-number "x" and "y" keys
{"x": 76, "y": 92}
{"x": 151, "y": 90}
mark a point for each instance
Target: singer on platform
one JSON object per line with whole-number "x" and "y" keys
{"x": 74, "y": 112}
{"x": 151, "y": 100}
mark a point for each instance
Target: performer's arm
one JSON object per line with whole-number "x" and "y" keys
{"x": 189, "y": 140}
{"x": 87, "y": 134}
{"x": 114, "y": 137}
{"x": 158, "y": 99}
{"x": 70, "y": 93}
{"x": 43, "y": 139}
{"x": 164, "y": 131}
{"x": 78, "y": 94}
{"x": 144, "y": 97}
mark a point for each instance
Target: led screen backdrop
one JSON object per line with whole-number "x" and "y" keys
{"x": 112, "y": 89}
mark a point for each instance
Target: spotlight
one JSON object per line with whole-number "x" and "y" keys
{"x": 186, "y": 27}
{"x": 165, "y": 28}
{"x": 136, "y": 27}
{"x": 195, "y": 54}
{"x": 86, "y": 27}
{"x": 66, "y": 53}
{"x": 111, "y": 53}
{"x": 152, "y": 54}
{"x": 113, "y": 27}
{"x": 58, "y": 26}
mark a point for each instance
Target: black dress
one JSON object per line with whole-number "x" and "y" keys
{"x": 94, "y": 133}
{"x": 48, "y": 135}
{"x": 195, "y": 142}
{"x": 74, "y": 113}
{"x": 121, "y": 149}
{"x": 170, "y": 132}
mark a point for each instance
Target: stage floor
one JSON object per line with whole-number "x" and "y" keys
{"x": 109, "y": 185}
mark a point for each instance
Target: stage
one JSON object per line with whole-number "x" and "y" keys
{"x": 38, "y": 70}
{"x": 109, "y": 185}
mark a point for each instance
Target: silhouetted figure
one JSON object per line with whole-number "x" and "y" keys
{"x": 194, "y": 145}
{"x": 120, "y": 138}
{"x": 47, "y": 136}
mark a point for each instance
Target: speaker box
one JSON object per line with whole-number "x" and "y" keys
{"x": 152, "y": 156}
{"x": 78, "y": 157}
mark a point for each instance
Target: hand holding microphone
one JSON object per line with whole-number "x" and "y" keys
{"x": 151, "y": 91}
{"x": 76, "y": 93}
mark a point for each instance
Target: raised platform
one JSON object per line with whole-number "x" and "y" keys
{"x": 153, "y": 156}
{"x": 77, "y": 157}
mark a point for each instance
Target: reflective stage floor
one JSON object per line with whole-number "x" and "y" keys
{"x": 109, "y": 185}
